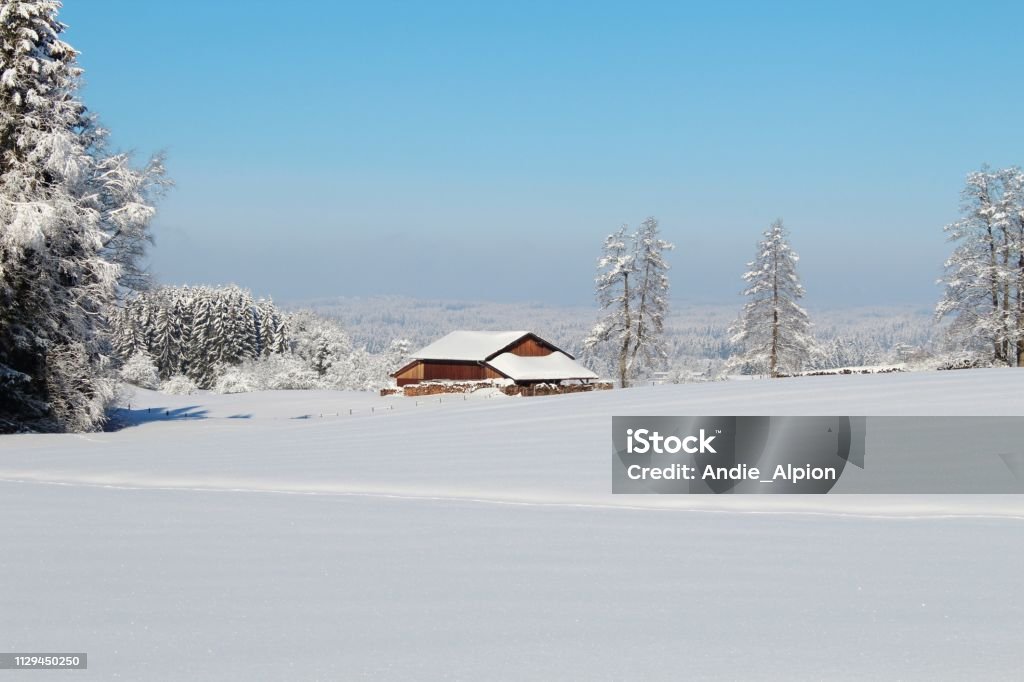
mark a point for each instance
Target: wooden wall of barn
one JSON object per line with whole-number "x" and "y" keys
{"x": 439, "y": 370}
{"x": 530, "y": 347}
{"x": 410, "y": 375}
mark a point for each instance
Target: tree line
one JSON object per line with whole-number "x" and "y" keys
{"x": 772, "y": 335}
{"x": 982, "y": 300}
{"x": 181, "y": 339}
{"x": 197, "y": 331}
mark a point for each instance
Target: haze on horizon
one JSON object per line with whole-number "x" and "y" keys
{"x": 472, "y": 151}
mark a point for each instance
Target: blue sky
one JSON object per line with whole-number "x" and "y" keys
{"x": 483, "y": 150}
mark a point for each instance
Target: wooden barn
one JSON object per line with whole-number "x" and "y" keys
{"x": 521, "y": 356}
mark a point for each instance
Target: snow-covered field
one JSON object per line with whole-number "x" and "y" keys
{"x": 323, "y": 535}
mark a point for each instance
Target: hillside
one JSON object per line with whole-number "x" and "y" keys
{"x": 469, "y": 538}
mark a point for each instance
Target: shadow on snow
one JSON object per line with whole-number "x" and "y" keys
{"x": 122, "y": 418}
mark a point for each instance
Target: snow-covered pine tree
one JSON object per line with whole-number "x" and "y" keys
{"x": 1013, "y": 179}
{"x": 773, "y": 332}
{"x": 241, "y": 339}
{"x": 260, "y": 321}
{"x": 182, "y": 312}
{"x": 165, "y": 352}
{"x": 200, "y": 364}
{"x": 984, "y": 276}
{"x": 651, "y": 294}
{"x": 237, "y": 328}
{"x": 269, "y": 320}
{"x": 172, "y": 331}
{"x": 248, "y": 330}
{"x": 199, "y": 331}
{"x": 615, "y": 296}
{"x": 632, "y": 290}
{"x": 74, "y": 222}
{"x": 279, "y": 339}
{"x": 145, "y": 318}
{"x": 126, "y": 335}
{"x": 221, "y": 347}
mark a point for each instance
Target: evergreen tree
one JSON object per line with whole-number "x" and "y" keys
{"x": 74, "y": 223}
{"x": 652, "y": 295}
{"x": 279, "y": 340}
{"x": 260, "y": 322}
{"x": 632, "y": 290}
{"x": 984, "y": 276}
{"x": 1014, "y": 183}
{"x": 247, "y": 331}
{"x": 773, "y": 332}
{"x": 615, "y": 296}
{"x": 165, "y": 352}
{"x": 221, "y": 344}
{"x": 198, "y": 331}
{"x": 126, "y": 336}
{"x": 200, "y": 364}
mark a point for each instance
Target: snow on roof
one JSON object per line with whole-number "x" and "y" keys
{"x": 551, "y": 367}
{"x": 467, "y": 345}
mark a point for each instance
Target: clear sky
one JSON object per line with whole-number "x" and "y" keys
{"x": 483, "y": 150}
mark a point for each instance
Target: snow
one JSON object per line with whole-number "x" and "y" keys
{"x": 469, "y": 345}
{"x": 630, "y": 331}
{"x": 773, "y": 331}
{"x": 982, "y": 276}
{"x": 276, "y": 535}
{"x": 552, "y": 367}
{"x": 75, "y": 227}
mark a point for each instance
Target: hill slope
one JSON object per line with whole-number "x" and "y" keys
{"x": 247, "y": 537}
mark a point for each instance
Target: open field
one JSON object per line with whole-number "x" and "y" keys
{"x": 247, "y": 537}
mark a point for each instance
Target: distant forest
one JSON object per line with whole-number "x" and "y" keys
{"x": 697, "y": 335}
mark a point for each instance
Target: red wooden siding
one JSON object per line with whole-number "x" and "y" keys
{"x": 444, "y": 370}
{"x": 529, "y": 346}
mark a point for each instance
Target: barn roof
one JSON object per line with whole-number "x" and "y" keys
{"x": 554, "y": 367}
{"x": 473, "y": 346}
